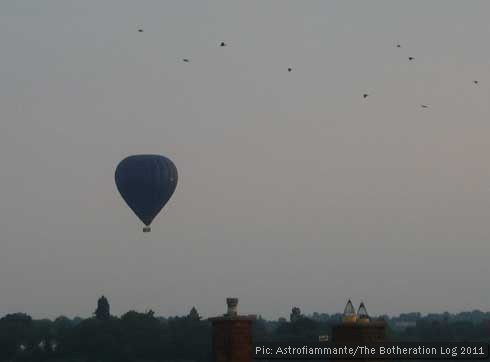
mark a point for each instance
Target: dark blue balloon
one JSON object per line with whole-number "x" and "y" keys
{"x": 146, "y": 183}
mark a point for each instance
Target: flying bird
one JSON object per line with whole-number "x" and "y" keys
{"x": 475, "y": 81}
{"x": 365, "y": 95}
{"x": 223, "y": 44}
{"x": 185, "y": 60}
{"x": 398, "y": 46}
{"x": 140, "y": 30}
{"x": 424, "y": 106}
{"x": 411, "y": 58}
{"x": 290, "y": 69}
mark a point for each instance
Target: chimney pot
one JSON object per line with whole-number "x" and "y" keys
{"x": 232, "y": 306}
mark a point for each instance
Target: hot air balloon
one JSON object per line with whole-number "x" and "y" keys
{"x": 146, "y": 183}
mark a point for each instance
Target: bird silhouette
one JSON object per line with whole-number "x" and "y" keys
{"x": 424, "y": 106}
{"x": 475, "y": 81}
{"x": 411, "y": 58}
{"x": 398, "y": 46}
{"x": 185, "y": 60}
{"x": 140, "y": 30}
{"x": 290, "y": 69}
{"x": 223, "y": 44}
{"x": 365, "y": 95}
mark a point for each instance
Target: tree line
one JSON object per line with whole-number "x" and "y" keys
{"x": 144, "y": 337}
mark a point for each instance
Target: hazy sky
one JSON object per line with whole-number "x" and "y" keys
{"x": 293, "y": 190}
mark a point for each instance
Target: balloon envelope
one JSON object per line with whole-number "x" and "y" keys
{"x": 146, "y": 183}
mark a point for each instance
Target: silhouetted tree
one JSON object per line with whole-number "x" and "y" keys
{"x": 295, "y": 314}
{"x": 103, "y": 311}
{"x": 193, "y": 315}
{"x": 15, "y": 331}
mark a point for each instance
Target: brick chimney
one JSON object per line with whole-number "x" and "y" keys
{"x": 232, "y": 335}
{"x": 359, "y": 330}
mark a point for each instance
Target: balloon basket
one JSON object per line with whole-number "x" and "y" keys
{"x": 146, "y": 229}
